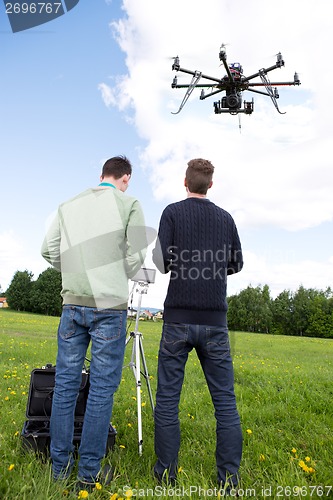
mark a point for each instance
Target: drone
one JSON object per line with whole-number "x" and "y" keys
{"x": 233, "y": 84}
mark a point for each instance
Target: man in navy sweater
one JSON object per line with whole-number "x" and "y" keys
{"x": 198, "y": 244}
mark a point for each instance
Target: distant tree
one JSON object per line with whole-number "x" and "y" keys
{"x": 45, "y": 296}
{"x": 250, "y": 310}
{"x": 330, "y": 317}
{"x": 236, "y": 313}
{"x": 301, "y": 309}
{"x": 282, "y": 313}
{"x": 266, "y": 310}
{"x": 19, "y": 291}
{"x": 320, "y": 316}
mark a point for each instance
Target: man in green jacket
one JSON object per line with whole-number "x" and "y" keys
{"x": 98, "y": 242}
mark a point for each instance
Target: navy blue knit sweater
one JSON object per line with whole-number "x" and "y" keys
{"x": 198, "y": 244}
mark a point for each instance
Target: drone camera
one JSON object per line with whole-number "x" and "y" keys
{"x": 233, "y": 101}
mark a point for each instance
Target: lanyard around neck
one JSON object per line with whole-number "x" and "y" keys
{"x": 107, "y": 184}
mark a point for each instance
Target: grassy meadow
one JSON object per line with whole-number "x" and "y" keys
{"x": 284, "y": 390}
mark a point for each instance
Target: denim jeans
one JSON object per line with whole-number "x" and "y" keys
{"x": 212, "y": 346}
{"x": 106, "y": 329}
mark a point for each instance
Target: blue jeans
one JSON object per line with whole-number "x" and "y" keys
{"x": 212, "y": 346}
{"x": 106, "y": 329}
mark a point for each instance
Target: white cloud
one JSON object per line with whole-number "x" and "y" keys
{"x": 268, "y": 172}
{"x": 107, "y": 94}
{"x": 285, "y": 274}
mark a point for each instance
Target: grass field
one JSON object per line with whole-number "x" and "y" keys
{"x": 284, "y": 389}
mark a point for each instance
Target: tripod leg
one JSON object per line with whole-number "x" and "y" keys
{"x": 138, "y": 389}
{"x": 146, "y": 374}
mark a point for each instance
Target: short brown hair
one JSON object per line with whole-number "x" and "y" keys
{"x": 116, "y": 167}
{"x": 199, "y": 175}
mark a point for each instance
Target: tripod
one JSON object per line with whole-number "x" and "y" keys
{"x": 137, "y": 357}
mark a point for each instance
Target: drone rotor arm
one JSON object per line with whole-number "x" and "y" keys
{"x": 223, "y": 58}
{"x": 279, "y": 63}
{"x": 275, "y": 84}
{"x": 212, "y": 93}
{"x": 258, "y": 91}
{"x": 194, "y": 73}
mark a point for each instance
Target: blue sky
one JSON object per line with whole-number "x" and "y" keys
{"x": 96, "y": 82}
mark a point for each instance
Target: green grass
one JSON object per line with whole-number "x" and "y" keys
{"x": 284, "y": 391}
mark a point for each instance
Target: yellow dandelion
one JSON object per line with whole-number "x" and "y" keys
{"x": 262, "y": 457}
{"x": 11, "y": 467}
{"x": 143, "y": 404}
{"x": 98, "y": 486}
{"x": 301, "y": 463}
{"x": 83, "y": 494}
{"x": 114, "y": 496}
{"x": 311, "y": 470}
{"x": 16, "y": 433}
{"x": 129, "y": 494}
{"x": 293, "y": 450}
{"x": 7, "y": 398}
{"x": 122, "y": 446}
{"x": 249, "y": 431}
{"x": 307, "y": 459}
{"x": 129, "y": 425}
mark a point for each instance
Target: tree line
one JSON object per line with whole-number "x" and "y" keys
{"x": 307, "y": 311}
{"x": 41, "y": 296}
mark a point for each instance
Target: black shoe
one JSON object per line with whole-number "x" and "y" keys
{"x": 165, "y": 479}
{"x": 229, "y": 491}
{"x": 104, "y": 477}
